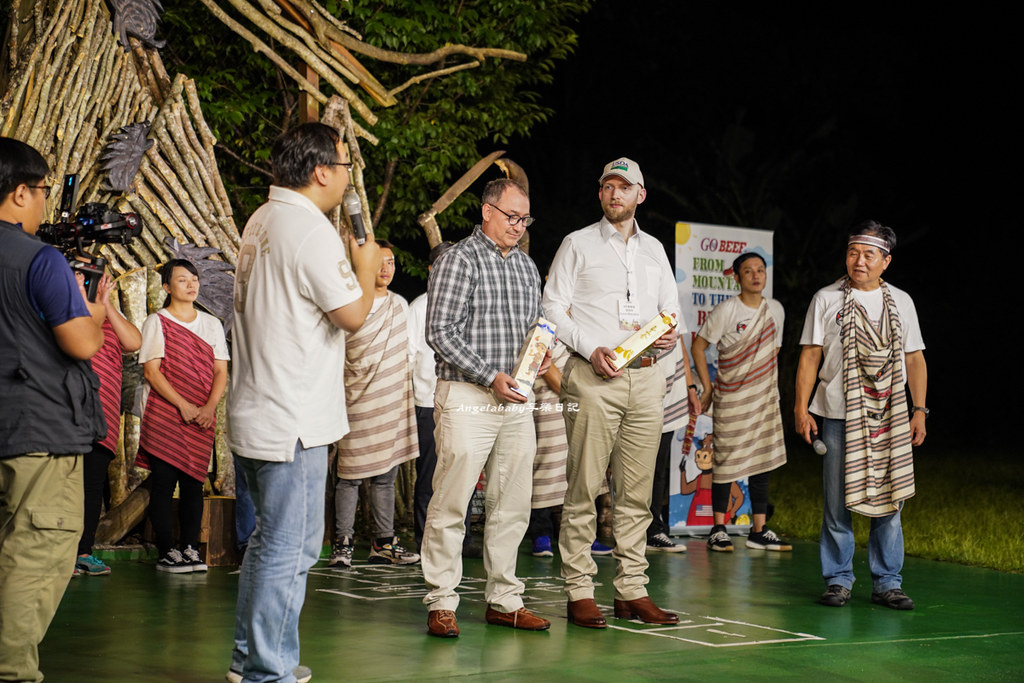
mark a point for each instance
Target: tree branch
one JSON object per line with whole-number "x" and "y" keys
{"x": 259, "y": 169}
{"x": 433, "y": 74}
{"x": 389, "y": 175}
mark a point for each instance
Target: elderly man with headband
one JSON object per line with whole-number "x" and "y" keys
{"x": 862, "y": 340}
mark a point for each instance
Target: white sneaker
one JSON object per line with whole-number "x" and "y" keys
{"x": 341, "y": 553}
{"x": 392, "y": 553}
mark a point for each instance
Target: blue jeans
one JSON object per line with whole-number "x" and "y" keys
{"x": 245, "y": 515}
{"x": 289, "y": 501}
{"x": 885, "y": 542}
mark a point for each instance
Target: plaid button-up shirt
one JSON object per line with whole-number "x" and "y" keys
{"x": 479, "y": 308}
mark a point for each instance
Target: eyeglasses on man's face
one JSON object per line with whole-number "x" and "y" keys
{"x": 44, "y": 188}
{"x": 514, "y": 220}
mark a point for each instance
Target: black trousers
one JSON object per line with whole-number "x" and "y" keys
{"x": 190, "y": 505}
{"x": 659, "y": 496}
{"x": 94, "y": 476}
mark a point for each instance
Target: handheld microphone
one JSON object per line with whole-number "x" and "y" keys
{"x": 819, "y": 447}
{"x": 354, "y": 209}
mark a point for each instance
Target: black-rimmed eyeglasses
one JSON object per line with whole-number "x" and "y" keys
{"x": 346, "y": 164}
{"x": 513, "y": 220}
{"x": 44, "y": 188}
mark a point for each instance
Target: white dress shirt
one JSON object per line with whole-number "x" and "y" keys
{"x": 593, "y": 270}
{"x": 420, "y": 355}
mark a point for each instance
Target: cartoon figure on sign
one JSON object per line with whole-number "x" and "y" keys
{"x": 692, "y": 504}
{"x": 695, "y": 478}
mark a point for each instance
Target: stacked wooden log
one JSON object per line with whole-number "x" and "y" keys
{"x": 69, "y": 86}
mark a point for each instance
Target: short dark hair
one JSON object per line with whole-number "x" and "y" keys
{"x": 300, "y": 150}
{"x": 19, "y": 163}
{"x": 876, "y": 229}
{"x": 746, "y": 256}
{"x": 496, "y": 188}
{"x": 436, "y": 252}
{"x": 384, "y": 244}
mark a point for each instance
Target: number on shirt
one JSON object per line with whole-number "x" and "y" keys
{"x": 246, "y": 260}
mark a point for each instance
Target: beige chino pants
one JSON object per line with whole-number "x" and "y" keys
{"x": 614, "y": 423}
{"x": 475, "y": 431}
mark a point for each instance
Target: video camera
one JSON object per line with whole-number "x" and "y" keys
{"x": 94, "y": 222}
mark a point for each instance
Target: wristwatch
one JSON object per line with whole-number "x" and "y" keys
{"x": 691, "y": 386}
{"x": 920, "y": 408}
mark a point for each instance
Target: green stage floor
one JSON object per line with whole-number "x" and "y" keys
{"x": 751, "y": 615}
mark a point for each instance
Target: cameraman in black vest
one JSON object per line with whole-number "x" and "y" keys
{"x": 49, "y": 412}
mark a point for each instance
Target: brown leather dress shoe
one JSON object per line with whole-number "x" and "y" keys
{"x": 522, "y": 618}
{"x": 442, "y": 623}
{"x": 585, "y": 613}
{"x": 644, "y": 610}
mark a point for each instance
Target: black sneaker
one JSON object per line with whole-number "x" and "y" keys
{"x": 766, "y": 540}
{"x": 663, "y": 543}
{"x": 191, "y": 555}
{"x": 718, "y": 539}
{"x": 894, "y": 598}
{"x": 835, "y": 596}
{"x": 173, "y": 563}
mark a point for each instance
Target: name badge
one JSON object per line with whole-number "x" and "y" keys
{"x": 629, "y": 315}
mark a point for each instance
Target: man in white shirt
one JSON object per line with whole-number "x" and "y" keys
{"x": 606, "y": 281}
{"x": 863, "y": 334}
{"x": 295, "y": 296}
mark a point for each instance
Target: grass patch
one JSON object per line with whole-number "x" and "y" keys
{"x": 967, "y": 509}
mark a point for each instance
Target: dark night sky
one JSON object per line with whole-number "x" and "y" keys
{"x": 905, "y": 117}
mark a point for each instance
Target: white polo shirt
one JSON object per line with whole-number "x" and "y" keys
{"x": 822, "y": 328}
{"x": 287, "y": 378}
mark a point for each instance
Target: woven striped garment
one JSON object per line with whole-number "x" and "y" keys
{"x": 107, "y": 364}
{"x": 879, "y": 460}
{"x": 748, "y": 422}
{"x": 549, "y": 484}
{"x": 378, "y": 396}
{"x": 188, "y": 366}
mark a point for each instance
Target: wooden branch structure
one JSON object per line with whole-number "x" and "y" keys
{"x": 71, "y": 87}
{"x": 66, "y": 86}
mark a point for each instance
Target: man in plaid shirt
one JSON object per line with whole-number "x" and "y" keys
{"x": 482, "y": 297}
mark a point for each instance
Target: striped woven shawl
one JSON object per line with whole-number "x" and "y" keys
{"x": 378, "y": 396}
{"x": 879, "y": 460}
{"x": 748, "y": 422}
{"x": 188, "y": 366}
{"x": 549, "y": 483}
{"x": 107, "y": 364}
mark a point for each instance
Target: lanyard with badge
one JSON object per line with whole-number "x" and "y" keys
{"x": 629, "y": 308}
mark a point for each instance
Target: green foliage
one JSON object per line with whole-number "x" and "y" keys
{"x": 443, "y": 126}
{"x": 438, "y": 129}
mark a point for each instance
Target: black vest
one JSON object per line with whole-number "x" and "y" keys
{"x": 49, "y": 402}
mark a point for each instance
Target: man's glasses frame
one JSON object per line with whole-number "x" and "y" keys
{"x": 527, "y": 220}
